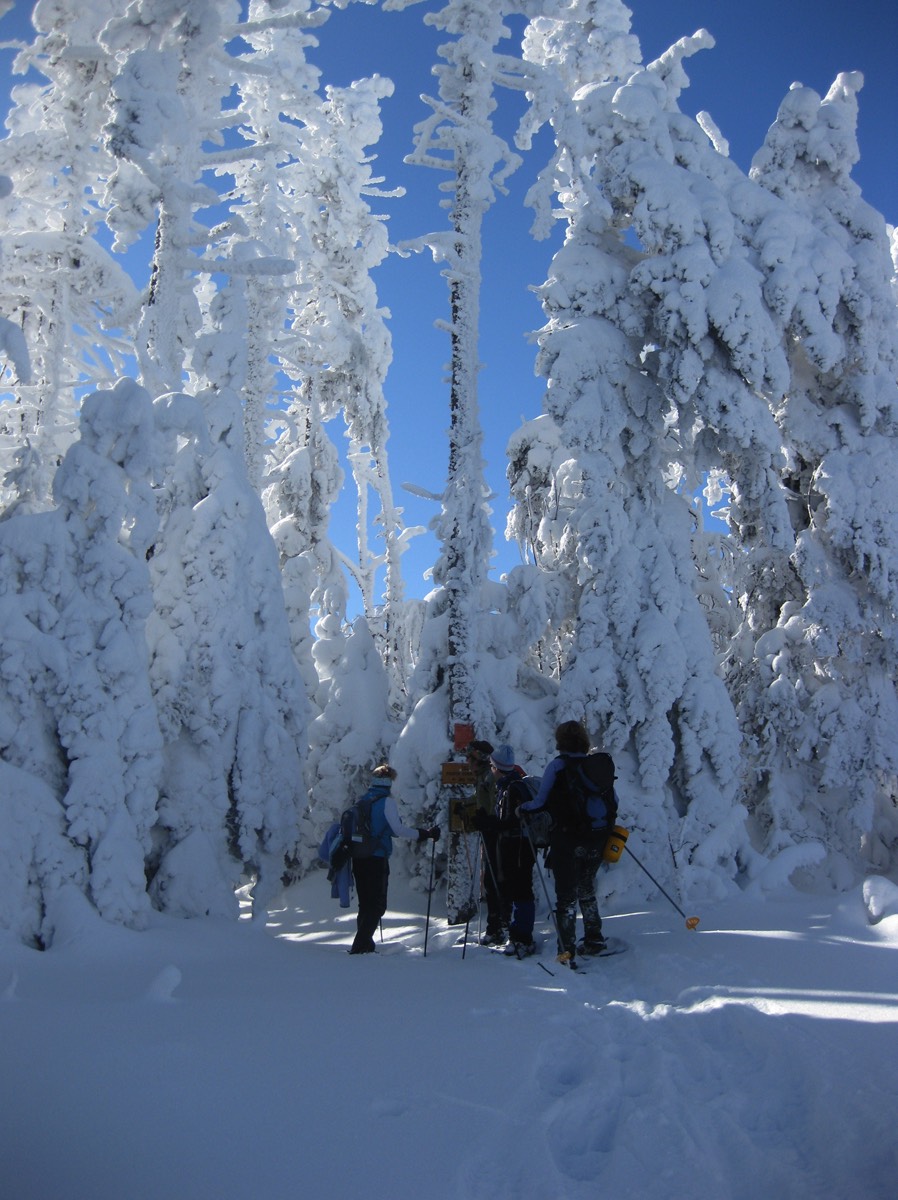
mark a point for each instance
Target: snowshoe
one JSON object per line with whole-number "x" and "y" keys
{"x": 520, "y": 949}
{"x": 588, "y": 949}
{"x": 612, "y": 945}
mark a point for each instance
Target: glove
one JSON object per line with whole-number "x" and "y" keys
{"x": 432, "y": 833}
{"x": 482, "y": 821}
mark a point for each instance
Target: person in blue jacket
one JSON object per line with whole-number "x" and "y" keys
{"x": 372, "y": 875}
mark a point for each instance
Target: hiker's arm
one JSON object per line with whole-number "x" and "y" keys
{"x": 391, "y": 812}
{"x": 545, "y": 787}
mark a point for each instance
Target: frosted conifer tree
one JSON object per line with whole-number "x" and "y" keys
{"x": 821, "y": 701}
{"x": 346, "y": 242}
{"x": 67, "y": 295}
{"x": 231, "y": 704}
{"x": 458, "y": 137}
{"x": 346, "y": 334}
{"x": 351, "y": 732}
{"x": 277, "y": 92}
{"x": 14, "y": 349}
{"x": 323, "y": 352}
{"x": 78, "y": 712}
{"x": 328, "y": 338}
{"x": 599, "y": 479}
{"x": 166, "y": 103}
{"x": 301, "y": 490}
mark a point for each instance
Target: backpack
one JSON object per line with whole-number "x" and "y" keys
{"x": 356, "y": 834}
{"x": 512, "y": 793}
{"x": 582, "y": 801}
{"x": 536, "y": 825}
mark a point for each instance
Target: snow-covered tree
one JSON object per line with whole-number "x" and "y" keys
{"x": 352, "y": 730}
{"x": 346, "y": 242}
{"x": 320, "y": 336}
{"x": 167, "y": 105}
{"x": 819, "y": 695}
{"x": 277, "y": 92}
{"x": 231, "y": 704}
{"x": 302, "y": 487}
{"x": 13, "y": 346}
{"x": 66, "y": 294}
{"x": 651, "y": 382}
{"x": 458, "y": 137}
{"x": 338, "y": 347}
{"x": 78, "y": 712}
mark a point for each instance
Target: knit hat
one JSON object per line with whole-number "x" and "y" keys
{"x": 503, "y": 757}
{"x": 479, "y": 751}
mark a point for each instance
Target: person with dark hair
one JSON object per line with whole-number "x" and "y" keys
{"x": 498, "y": 910}
{"x": 514, "y": 854}
{"x": 575, "y": 852}
{"x": 372, "y": 874}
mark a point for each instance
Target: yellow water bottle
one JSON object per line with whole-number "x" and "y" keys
{"x": 614, "y": 847}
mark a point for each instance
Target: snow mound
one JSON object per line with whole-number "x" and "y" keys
{"x": 880, "y": 899}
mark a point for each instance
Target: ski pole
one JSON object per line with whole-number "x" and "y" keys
{"x": 484, "y": 850}
{"x": 470, "y": 904}
{"x": 433, "y": 854}
{"x": 691, "y": 922}
{"x": 464, "y": 945}
{"x": 542, "y": 880}
{"x": 486, "y": 859}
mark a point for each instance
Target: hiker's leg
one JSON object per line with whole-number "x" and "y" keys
{"x": 371, "y": 882}
{"x": 587, "y": 872}
{"x": 496, "y": 911}
{"x": 524, "y": 906}
{"x": 564, "y": 870}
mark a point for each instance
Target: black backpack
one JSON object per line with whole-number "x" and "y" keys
{"x": 580, "y": 781}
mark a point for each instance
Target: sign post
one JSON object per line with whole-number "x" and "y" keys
{"x": 457, "y": 782}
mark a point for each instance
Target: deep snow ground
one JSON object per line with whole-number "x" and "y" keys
{"x": 753, "y": 1058}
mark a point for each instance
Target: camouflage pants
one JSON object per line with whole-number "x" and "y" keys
{"x": 575, "y": 869}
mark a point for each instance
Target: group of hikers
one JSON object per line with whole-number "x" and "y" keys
{"x": 576, "y": 795}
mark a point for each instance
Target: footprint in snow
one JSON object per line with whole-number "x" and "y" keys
{"x": 163, "y": 986}
{"x": 390, "y": 1106}
{"x": 561, "y": 1065}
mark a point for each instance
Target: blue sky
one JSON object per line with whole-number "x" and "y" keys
{"x": 762, "y": 47}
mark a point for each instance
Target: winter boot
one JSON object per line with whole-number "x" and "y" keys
{"x": 494, "y": 937}
{"x": 591, "y": 947}
{"x": 520, "y": 949}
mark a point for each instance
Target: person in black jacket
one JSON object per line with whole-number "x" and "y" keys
{"x": 514, "y": 854}
{"x": 575, "y": 854}
{"x": 498, "y": 910}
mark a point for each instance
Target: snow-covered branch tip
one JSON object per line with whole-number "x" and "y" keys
{"x": 414, "y": 490}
